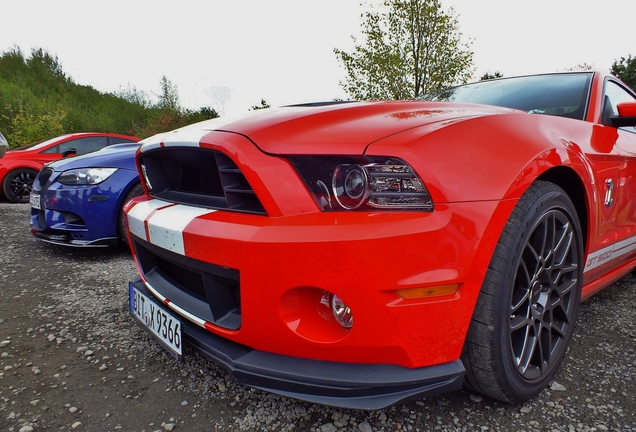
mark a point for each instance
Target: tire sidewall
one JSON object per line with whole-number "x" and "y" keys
{"x": 122, "y": 226}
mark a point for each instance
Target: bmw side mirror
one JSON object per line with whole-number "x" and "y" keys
{"x": 69, "y": 152}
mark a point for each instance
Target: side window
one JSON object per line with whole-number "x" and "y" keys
{"x": 52, "y": 150}
{"x": 80, "y": 145}
{"x": 86, "y": 145}
{"x": 118, "y": 140}
{"x": 615, "y": 94}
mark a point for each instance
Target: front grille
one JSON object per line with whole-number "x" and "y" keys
{"x": 199, "y": 177}
{"x": 208, "y": 291}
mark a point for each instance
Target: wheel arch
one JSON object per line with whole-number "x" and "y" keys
{"x": 568, "y": 180}
{"x": 130, "y": 184}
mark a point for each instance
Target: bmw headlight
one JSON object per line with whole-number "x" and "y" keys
{"x": 85, "y": 176}
{"x": 340, "y": 183}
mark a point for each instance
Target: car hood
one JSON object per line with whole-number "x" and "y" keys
{"x": 345, "y": 127}
{"x": 115, "y": 156}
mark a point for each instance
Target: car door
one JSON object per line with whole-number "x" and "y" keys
{"x": 623, "y": 193}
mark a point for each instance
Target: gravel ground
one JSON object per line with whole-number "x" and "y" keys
{"x": 71, "y": 358}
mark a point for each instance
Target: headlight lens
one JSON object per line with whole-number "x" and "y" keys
{"x": 362, "y": 183}
{"x": 350, "y": 185}
{"x": 85, "y": 176}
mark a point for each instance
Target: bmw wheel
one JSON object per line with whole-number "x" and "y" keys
{"x": 17, "y": 184}
{"x": 524, "y": 317}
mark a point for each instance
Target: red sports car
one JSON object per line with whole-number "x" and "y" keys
{"x": 363, "y": 254}
{"x": 19, "y": 167}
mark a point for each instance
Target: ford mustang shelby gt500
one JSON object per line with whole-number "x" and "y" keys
{"x": 362, "y": 254}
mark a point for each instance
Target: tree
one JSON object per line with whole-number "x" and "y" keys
{"x": 411, "y": 48}
{"x": 263, "y": 105}
{"x": 581, "y": 67}
{"x": 206, "y": 113}
{"x": 39, "y": 100}
{"x": 169, "y": 97}
{"x": 625, "y": 70}
{"x": 489, "y": 76}
{"x": 134, "y": 96}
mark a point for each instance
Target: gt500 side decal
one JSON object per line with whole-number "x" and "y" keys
{"x": 602, "y": 256}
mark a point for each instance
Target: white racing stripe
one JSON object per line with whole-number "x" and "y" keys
{"x": 138, "y": 214}
{"x": 166, "y": 225}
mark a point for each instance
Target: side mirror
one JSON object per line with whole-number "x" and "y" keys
{"x": 626, "y": 115}
{"x": 69, "y": 152}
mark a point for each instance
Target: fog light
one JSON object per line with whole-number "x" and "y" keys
{"x": 341, "y": 312}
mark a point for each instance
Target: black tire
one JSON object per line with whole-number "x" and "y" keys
{"x": 122, "y": 226}
{"x": 17, "y": 184}
{"x": 525, "y": 313}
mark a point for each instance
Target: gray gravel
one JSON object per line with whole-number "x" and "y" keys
{"x": 71, "y": 358}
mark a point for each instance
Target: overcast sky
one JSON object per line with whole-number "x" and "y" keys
{"x": 230, "y": 54}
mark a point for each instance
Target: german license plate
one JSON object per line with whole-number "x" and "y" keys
{"x": 35, "y": 201}
{"x": 161, "y": 323}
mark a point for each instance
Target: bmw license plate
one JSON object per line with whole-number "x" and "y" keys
{"x": 161, "y": 323}
{"x": 35, "y": 201}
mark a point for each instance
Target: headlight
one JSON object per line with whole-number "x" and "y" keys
{"x": 85, "y": 176}
{"x": 340, "y": 183}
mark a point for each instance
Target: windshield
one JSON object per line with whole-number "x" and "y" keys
{"x": 563, "y": 94}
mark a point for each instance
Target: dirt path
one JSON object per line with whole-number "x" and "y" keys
{"x": 71, "y": 358}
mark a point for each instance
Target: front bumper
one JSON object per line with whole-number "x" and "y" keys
{"x": 346, "y": 385}
{"x": 67, "y": 217}
{"x": 80, "y": 216}
{"x": 66, "y": 237}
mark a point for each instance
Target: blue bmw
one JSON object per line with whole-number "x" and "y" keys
{"x": 78, "y": 201}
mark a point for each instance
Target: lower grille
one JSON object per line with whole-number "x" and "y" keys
{"x": 206, "y": 290}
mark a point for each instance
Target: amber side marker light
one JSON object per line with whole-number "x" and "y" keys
{"x": 428, "y": 292}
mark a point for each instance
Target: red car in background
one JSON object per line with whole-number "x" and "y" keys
{"x": 363, "y": 254}
{"x": 19, "y": 167}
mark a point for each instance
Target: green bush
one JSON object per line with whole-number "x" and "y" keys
{"x": 38, "y": 101}
{"x": 27, "y": 128}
